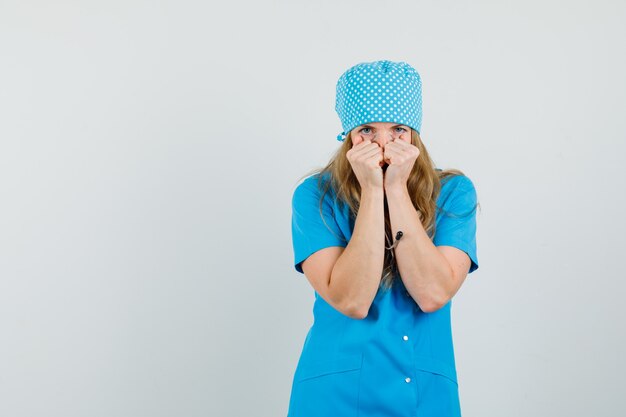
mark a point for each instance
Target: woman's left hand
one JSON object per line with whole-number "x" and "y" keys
{"x": 401, "y": 156}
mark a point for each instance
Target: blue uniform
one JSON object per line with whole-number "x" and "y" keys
{"x": 397, "y": 361}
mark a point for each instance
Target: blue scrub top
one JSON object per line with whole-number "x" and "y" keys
{"x": 397, "y": 361}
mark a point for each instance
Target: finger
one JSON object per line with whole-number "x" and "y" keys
{"x": 398, "y": 144}
{"x": 390, "y": 152}
{"x": 357, "y": 150}
{"x": 375, "y": 154}
{"x": 364, "y": 154}
{"x": 365, "y": 151}
{"x": 358, "y": 141}
{"x": 368, "y": 147}
{"x": 404, "y": 151}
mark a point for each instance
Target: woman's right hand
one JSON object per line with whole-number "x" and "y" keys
{"x": 365, "y": 157}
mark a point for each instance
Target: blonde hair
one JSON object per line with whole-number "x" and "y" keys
{"x": 424, "y": 185}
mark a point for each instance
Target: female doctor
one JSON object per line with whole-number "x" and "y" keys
{"x": 385, "y": 239}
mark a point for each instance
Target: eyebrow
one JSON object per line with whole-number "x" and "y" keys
{"x": 391, "y": 126}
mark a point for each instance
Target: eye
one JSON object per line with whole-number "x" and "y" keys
{"x": 401, "y": 129}
{"x": 365, "y": 128}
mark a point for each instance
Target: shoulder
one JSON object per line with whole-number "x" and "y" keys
{"x": 457, "y": 192}
{"x": 454, "y": 182}
{"x": 308, "y": 192}
{"x": 313, "y": 184}
{"x": 455, "y": 186}
{"x": 308, "y": 181}
{"x": 307, "y": 187}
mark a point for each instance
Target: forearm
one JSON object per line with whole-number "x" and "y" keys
{"x": 425, "y": 272}
{"x": 356, "y": 275}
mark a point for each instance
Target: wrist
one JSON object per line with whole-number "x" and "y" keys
{"x": 374, "y": 191}
{"x": 397, "y": 190}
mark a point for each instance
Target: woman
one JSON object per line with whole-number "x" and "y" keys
{"x": 385, "y": 240}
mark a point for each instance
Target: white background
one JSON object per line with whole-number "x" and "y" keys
{"x": 148, "y": 155}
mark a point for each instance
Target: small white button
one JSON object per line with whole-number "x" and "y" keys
{"x": 405, "y": 337}
{"x": 408, "y": 380}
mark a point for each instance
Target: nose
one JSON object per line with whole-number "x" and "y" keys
{"x": 383, "y": 138}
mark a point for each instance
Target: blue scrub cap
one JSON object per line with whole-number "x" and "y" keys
{"x": 379, "y": 91}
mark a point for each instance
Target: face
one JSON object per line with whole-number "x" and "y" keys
{"x": 381, "y": 133}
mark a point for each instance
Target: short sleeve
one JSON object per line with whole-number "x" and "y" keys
{"x": 456, "y": 225}
{"x": 312, "y": 231}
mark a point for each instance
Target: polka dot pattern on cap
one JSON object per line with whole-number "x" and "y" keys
{"x": 379, "y": 91}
